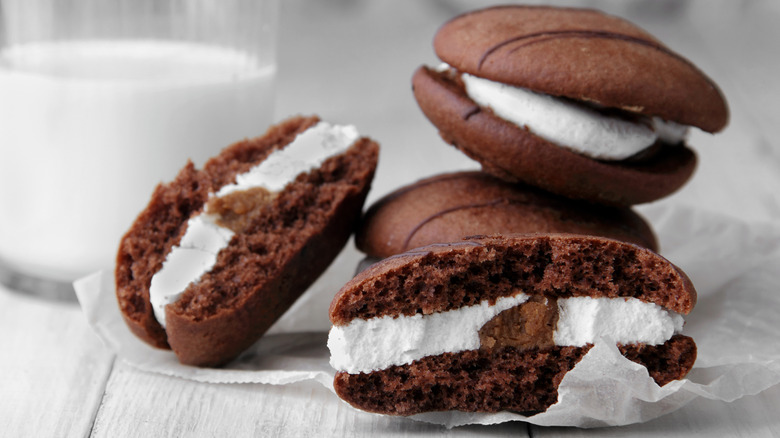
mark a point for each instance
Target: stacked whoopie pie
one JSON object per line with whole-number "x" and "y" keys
{"x": 491, "y": 286}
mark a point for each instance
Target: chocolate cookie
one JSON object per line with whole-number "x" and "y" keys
{"x": 220, "y": 253}
{"x": 494, "y": 323}
{"x": 449, "y": 207}
{"x": 574, "y": 101}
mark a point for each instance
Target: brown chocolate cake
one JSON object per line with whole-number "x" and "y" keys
{"x": 494, "y": 323}
{"x": 274, "y": 242}
{"x": 446, "y": 208}
{"x": 622, "y": 101}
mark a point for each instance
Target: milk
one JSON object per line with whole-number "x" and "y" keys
{"x": 88, "y": 128}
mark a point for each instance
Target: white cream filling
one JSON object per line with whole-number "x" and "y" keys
{"x": 378, "y": 343}
{"x": 575, "y": 127}
{"x": 197, "y": 252}
{"x": 309, "y": 150}
{"x": 195, "y": 255}
{"x": 582, "y": 320}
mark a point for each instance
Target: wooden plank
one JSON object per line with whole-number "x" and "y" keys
{"x": 52, "y": 368}
{"x": 144, "y": 404}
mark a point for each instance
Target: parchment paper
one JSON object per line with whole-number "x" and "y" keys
{"x": 735, "y": 267}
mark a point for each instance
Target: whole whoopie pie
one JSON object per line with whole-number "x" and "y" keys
{"x": 574, "y": 101}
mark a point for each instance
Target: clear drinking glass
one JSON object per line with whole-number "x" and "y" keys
{"x": 100, "y": 100}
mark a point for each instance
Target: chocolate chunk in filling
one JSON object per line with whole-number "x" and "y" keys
{"x": 529, "y": 325}
{"x": 235, "y": 210}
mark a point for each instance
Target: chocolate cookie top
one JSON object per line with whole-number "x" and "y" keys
{"x": 449, "y": 207}
{"x": 584, "y": 55}
{"x": 442, "y": 277}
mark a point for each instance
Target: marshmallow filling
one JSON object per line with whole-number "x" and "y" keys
{"x": 226, "y": 211}
{"x": 579, "y": 127}
{"x": 520, "y": 321}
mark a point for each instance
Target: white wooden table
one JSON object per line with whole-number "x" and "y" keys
{"x": 351, "y": 61}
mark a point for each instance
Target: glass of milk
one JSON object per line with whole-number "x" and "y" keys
{"x": 101, "y": 100}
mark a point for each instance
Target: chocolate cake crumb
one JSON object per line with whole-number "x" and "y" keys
{"x": 665, "y": 363}
{"x": 439, "y": 278}
{"x": 473, "y": 381}
{"x": 273, "y": 231}
{"x": 501, "y": 379}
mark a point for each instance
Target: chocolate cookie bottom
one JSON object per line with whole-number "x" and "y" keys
{"x": 502, "y": 379}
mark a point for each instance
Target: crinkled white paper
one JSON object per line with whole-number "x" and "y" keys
{"x": 735, "y": 267}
